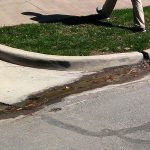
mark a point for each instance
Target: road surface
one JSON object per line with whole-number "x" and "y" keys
{"x": 116, "y": 117}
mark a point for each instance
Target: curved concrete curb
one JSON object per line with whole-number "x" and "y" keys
{"x": 146, "y": 53}
{"x": 79, "y": 63}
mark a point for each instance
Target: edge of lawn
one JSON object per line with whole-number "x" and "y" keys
{"x": 76, "y": 63}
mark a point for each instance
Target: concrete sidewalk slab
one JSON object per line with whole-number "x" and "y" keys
{"x": 18, "y": 82}
{"x": 11, "y": 10}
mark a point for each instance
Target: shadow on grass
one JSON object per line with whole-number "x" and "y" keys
{"x": 72, "y": 20}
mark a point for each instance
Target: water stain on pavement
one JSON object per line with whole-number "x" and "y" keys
{"x": 35, "y": 102}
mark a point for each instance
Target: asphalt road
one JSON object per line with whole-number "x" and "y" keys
{"x": 115, "y": 117}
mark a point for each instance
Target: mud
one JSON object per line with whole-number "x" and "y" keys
{"x": 35, "y": 102}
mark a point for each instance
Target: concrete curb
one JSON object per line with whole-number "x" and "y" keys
{"x": 146, "y": 53}
{"x": 77, "y": 63}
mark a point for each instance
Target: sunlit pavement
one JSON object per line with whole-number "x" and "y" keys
{"x": 18, "y": 82}
{"x": 11, "y": 10}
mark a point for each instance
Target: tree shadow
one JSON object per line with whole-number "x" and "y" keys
{"x": 121, "y": 133}
{"x": 72, "y": 20}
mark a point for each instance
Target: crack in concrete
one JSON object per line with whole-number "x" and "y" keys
{"x": 36, "y": 6}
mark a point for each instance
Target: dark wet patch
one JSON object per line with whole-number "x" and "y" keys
{"x": 100, "y": 79}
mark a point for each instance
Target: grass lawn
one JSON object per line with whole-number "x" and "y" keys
{"x": 80, "y": 35}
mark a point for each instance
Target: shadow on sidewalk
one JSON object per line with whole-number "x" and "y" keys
{"x": 71, "y": 20}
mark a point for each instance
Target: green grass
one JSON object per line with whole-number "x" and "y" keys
{"x": 86, "y": 38}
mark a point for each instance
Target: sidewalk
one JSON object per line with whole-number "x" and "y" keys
{"x": 11, "y": 10}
